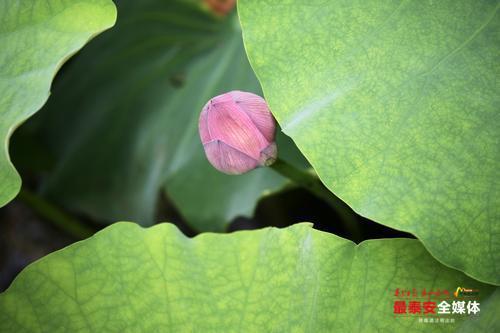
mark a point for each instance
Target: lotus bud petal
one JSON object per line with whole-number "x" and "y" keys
{"x": 237, "y": 131}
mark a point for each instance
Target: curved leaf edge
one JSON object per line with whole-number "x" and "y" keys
{"x": 24, "y": 117}
{"x": 357, "y": 211}
{"x": 170, "y": 228}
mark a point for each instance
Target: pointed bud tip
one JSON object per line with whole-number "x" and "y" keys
{"x": 268, "y": 155}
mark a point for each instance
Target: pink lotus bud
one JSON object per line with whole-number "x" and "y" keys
{"x": 237, "y": 132}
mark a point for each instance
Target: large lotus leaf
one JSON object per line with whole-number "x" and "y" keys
{"x": 395, "y": 105}
{"x": 129, "y": 279}
{"x": 36, "y": 37}
{"x": 123, "y": 117}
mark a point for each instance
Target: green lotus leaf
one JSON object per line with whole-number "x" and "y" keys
{"x": 129, "y": 279}
{"x": 395, "y": 105}
{"x": 122, "y": 122}
{"x": 36, "y": 37}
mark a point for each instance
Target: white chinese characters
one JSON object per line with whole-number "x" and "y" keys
{"x": 458, "y": 307}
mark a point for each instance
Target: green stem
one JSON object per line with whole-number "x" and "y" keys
{"x": 312, "y": 183}
{"x": 54, "y": 215}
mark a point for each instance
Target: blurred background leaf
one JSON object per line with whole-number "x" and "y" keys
{"x": 121, "y": 124}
